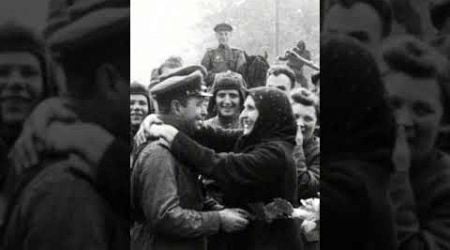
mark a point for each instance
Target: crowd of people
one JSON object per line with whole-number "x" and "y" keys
{"x": 226, "y": 154}
{"x": 230, "y": 138}
{"x": 385, "y": 164}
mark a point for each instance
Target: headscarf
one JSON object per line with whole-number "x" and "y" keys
{"x": 275, "y": 121}
{"x": 359, "y": 120}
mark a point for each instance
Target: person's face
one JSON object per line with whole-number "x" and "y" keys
{"x": 195, "y": 111}
{"x": 138, "y": 109}
{"x": 227, "y": 103}
{"x": 306, "y": 119}
{"x": 360, "y": 21}
{"x": 249, "y": 115}
{"x": 223, "y": 37}
{"x": 280, "y": 81}
{"x": 21, "y": 85}
{"x": 417, "y": 105}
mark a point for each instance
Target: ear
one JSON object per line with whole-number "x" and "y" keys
{"x": 175, "y": 107}
{"x": 108, "y": 80}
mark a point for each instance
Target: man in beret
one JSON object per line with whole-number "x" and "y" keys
{"x": 58, "y": 203}
{"x": 167, "y": 201}
{"x": 223, "y": 57}
{"x": 140, "y": 106}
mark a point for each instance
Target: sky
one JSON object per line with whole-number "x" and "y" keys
{"x": 160, "y": 29}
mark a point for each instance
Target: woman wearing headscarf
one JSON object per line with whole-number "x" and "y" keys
{"x": 358, "y": 138}
{"x": 258, "y": 169}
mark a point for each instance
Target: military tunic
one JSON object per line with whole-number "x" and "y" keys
{"x": 222, "y": 59}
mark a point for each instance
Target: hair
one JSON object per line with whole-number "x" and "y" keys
{"x": 306, "y": 97}
{"x": 281, "y": 69}
{"x": 382, "y": 7}
{"x": 84, "y": 60}
{"x": 164, "y": 102}
{"x": 171, "y": 62}
{"x": 409, "y": 55}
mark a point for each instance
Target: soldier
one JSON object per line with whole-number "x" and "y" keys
{"x": 224, "y": 57}
{"x": 166, "y": 195}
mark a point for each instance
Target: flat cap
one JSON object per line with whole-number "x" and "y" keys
{"x": 223, "y": 27}
{"x": 187, "y": 81}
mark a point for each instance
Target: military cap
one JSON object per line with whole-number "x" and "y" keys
{"x": 223, "y": 27}
{"x": 76, "y": 22}
{"x": 186, "y": 80}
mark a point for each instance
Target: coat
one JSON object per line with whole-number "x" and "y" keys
{"x": 250, "y": 179}
{"x": 307, "y": 160}
{"x": 168, "y": 203}
{"x": 56, "y": 207}
{"x": 221, "y": 59}
{"x": 259, "y": 168}
{"x": 422, "y": 204}
{"x": 355, "y": 207}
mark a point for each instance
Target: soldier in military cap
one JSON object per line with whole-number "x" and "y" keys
{"x": 166, "y": 195}
{"x": 223, "y": 57}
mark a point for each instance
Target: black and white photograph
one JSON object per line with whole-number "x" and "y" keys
{"x": 224, "y": 124}
{"x": 224, "y": 111}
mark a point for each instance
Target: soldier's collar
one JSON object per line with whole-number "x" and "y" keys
{"x": 221, "y": 46}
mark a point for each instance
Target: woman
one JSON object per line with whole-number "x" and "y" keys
{"x": 419, "y": 95}
{"x": 259, "y": 168}
{"x": 357, "y": 140}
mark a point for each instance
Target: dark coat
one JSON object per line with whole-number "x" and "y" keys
{"x": 221, "y": 59}
{"x": 422, "y": 204}
{"x": 56, "y": 207}
{"x": 259, "y": 169}
{"x": 307, "y": 161}
{"x": 355, "y": 207}
{"x": 168, "y": 203}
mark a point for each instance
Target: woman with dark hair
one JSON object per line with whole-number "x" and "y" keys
{"x": 358, "y": 138}
{"x": 418, "y": 92}
{"x": 258, "y": 169}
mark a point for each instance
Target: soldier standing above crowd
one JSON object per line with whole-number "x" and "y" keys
{"x": 223, "y": 57}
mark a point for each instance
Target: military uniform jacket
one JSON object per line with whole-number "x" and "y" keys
{"x": 167, "y": 204}
{"x": 221, "y": 59}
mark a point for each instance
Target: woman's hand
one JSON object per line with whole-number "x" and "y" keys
{"x": 143, "y": 133}
{"x": 32, "y": 140}
{"x": 163, "y": 131}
